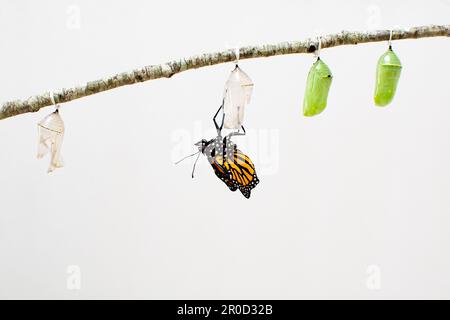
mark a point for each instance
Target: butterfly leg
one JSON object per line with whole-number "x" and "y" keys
{"x": 238, "y": 133}
{"x": 219, "y": 128}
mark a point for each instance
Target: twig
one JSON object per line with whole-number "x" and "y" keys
{"x": 168, "y": 69}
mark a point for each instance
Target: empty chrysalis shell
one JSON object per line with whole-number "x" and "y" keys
{"x": 388, "y": 74}
{"x": 238, "y": 92}
{"x": 51, "y": 133}
{"x": 317, "y": 87}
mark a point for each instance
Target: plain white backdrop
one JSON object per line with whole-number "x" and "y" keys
{"x": 354, "y": 203}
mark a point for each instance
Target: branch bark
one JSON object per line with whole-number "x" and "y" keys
{"x": 168, "y": 69}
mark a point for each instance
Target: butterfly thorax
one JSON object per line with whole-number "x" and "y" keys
{"x": 219, "y": 147}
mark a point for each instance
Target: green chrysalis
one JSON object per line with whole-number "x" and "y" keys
{"x": 388, "y": 74}
{"x": 317, "y": 87}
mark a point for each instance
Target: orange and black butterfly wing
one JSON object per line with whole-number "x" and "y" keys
{"x": 241, "y": 171}
{"x": 222, "y": 173}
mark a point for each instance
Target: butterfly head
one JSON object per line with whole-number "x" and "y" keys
{"x": 202, "y": 145}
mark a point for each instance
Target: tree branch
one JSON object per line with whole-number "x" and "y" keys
{"x": 168, "y": 69}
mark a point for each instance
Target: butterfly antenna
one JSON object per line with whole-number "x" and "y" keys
{"x": 187, "y": 157}
{"x": 193, "y": 168}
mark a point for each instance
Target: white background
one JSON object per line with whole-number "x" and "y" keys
{"x": 353, "y": 203}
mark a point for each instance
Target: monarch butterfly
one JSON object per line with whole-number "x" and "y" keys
{"x": 317, "y": 86}
{"x": 389, "y": 68}
{"x": 229, "y": 163}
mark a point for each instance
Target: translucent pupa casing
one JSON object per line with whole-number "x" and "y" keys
{"x": 388, "y": 74}
{"x": 51, "y": 134}
{"x": 237, "y": 94}
{"x": 318, "y": 85}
